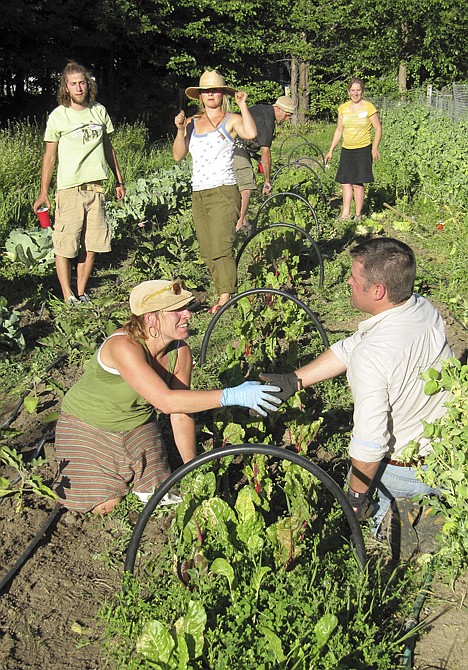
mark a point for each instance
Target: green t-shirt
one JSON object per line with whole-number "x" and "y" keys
{"x": 105, "y": 400}
{"x": 80, "y": 135}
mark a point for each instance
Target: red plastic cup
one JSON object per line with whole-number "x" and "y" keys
{"x": 43, "y": 216}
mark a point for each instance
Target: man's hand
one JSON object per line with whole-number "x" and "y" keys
{"x": 266, "y": 190}
{"x": 288, "y": 383}
{"x": 360, "y": 503}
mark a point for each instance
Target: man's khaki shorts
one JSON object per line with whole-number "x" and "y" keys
{"x": 243, "y": 170}
{"x": 80, "y": 218}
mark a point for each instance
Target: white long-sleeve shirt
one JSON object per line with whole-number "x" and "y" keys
{"x": 384, "y": 361}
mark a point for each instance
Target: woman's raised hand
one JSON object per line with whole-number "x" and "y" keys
{"x": 179, "y": 120}
{"x": 240, "y": 97}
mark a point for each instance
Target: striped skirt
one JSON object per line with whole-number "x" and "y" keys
{"x": 96, "y": 465}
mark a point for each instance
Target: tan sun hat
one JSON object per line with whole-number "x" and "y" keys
{"x": 209, "y": 79}
{"x": 157, "y": 295}
{"x": 285, "y": 103}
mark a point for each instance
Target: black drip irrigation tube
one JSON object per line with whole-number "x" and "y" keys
{"x": 56, "y": 512}
{"x": 290, "y": 226}
{"x": 254, "y": 291}
{"x": 412, "y": 622}
{"x": 287, "y": 194}
{"x": 241, "y": 449}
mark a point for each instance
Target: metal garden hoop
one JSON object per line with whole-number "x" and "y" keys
{"x": 241, "y": 449}
{"x": 253, "y": 291}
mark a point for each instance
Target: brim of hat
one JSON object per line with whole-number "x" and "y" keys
{"x": 157, "y": 305}
{"x": 179, "y": 304}
{"x": 193, "y": 92}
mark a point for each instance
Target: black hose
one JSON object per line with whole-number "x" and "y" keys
{"x": 223, "y": 452}
{"x": 57, "y": 510}
{"x": 291, "y": 226}
{"x": 411, "y": 623}
{"x": 253, "y": 291}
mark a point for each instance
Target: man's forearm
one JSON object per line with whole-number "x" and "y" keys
{"x": 325, "y": 366}
{"x": 266, "y": 163}
{"x": 362, "y": 475}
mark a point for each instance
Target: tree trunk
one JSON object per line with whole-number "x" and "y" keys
{"x": 295, "y": 85}
{"x": 300, "y": 89}
{"x": 303, "y": 107}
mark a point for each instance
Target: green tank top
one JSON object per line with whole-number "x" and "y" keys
{"x": 105, "y": 400}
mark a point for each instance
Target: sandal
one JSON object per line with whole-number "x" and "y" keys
{"x": 214, "y": 309}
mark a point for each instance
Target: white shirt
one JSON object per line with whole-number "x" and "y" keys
{"x": 212, "y": 158}
{"x": 384, "y": 361}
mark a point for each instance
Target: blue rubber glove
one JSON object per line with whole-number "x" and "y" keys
{"x": 253, "y": 395}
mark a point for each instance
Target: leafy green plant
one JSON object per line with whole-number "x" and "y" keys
{"x": 150, "y": 198}
{"x": 446, "y": 467}
{"x": 26, "y": 481}
{"x": 33, "y": 249}
{"x": 10, "y": 333}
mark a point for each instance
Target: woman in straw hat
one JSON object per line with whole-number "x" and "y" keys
{"x": 107, "y": 436}
{"x": 209, "y": 137}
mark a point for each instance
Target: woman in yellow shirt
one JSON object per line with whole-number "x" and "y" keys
{"x": 355, "y": 120}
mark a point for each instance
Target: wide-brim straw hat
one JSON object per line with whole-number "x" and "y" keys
{"x": 209, "y": 79}
{"x": 158, "y": 295}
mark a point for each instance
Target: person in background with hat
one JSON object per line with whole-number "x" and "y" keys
{"x": 107, "y": 437}
{"x": 79, "y": 132}
{"x": 266, "y": 117}
{"x": 209, "y": 137}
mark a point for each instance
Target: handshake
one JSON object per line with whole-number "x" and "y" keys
{"x": 263, "y": 399}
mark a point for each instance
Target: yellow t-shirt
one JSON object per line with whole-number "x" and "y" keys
{"x": 356, "y": 125}
{"x": 80, "y": 135}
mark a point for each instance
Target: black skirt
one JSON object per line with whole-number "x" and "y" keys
{"x": 355, "y": 166}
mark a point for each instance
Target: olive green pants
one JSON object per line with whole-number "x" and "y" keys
{"x": 215, "y": 213}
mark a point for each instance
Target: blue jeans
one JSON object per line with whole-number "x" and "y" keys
{"x": 393, "y": 481}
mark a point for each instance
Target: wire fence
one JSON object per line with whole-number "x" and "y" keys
{"x": 452, "y": 100}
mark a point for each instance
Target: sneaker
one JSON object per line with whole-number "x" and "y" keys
{"x": 71, "y": 300}
{"x": 85, "y": 299}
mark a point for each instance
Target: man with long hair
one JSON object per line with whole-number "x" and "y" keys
{"x": 78, "y": 132}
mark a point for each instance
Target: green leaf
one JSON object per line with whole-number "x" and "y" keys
{"x": 274, "y": 642}
{"x": 30, "y": 403}
{"x": 431, "y": 387}
{"x": 221, "y": 567}
{"x": 156, "y": 643}
{"x": 324, "y": 628}
{"x": 51, "y": 417}
{"x": 192, "y": 626}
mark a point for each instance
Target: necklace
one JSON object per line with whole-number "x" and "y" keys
{"x": 216, "y": 126}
